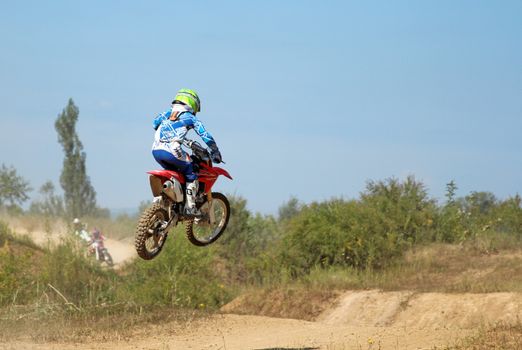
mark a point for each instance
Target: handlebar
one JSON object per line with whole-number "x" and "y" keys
{"x": 198, "y": 150}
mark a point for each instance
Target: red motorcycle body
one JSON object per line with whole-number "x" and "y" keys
{"x": 208, "y": 175}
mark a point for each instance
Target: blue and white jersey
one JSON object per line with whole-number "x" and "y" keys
{"x": 171, "y": 134}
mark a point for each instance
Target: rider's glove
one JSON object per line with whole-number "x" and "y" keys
{"x": 216, "y": 156}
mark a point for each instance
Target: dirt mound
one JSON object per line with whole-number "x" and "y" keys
{"x": 376, "y": 308}
{"x": 296, "y": 303}
{"x": 366, "y": 308}
{"x": 423, "y": 310}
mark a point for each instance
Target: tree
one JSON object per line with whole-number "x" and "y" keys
{"x": 289, "y": 209}
{"x": 451, "y": 225}
{"x": 483, "y": 202}
{"x": 13, "y": 188}
{"x": 451, "y": 190}
{"x": 79, "y": 195}
{"x": 50, "y": 205}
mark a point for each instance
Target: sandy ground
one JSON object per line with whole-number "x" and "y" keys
{"x": 258, "y": 332}
{"x": 120, "y": 251}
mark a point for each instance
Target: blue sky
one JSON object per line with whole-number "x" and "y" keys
{"x": 304, "y": 98}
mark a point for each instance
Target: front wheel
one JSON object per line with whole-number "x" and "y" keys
{"x": 206, "y": 230}
{"x": 150, "y": 233}
{"x": 108, "y": 258}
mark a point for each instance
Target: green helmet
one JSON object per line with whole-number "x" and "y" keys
{"x": 188, "y": 97}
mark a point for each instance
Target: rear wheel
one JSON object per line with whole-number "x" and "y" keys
{"x": 150, "y": 234}
{"x": 202, "y": 231}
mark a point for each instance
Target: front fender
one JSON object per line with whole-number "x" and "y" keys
{"x": 221, "y": 171}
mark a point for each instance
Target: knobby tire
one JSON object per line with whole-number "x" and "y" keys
{"x": 142, "y": 232}
{"x": 189, "y": 232}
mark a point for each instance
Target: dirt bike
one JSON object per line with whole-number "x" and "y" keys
{"x": 168, "y": 208}
{"x": 97, "y": 247}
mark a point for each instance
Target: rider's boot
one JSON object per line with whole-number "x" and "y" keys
{"x": 190, "y": 207}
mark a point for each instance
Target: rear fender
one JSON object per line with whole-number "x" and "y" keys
{"x": 168, "y": 182}
{"x": 167, "y": 174}
{"x": 156, "y": 185}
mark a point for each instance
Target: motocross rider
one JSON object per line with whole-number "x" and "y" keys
{"x": 97, "y": 235}
{"x": 171, "y": 129}
{"x": 79, "y": 230}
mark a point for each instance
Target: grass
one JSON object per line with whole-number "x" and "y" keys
{"x": 49, "y": 322}
{"x": 447, "y": 268}
{"x": 7, "y": 235}
{"x": 499, "y": 337}
{"x": 60, "y": 295}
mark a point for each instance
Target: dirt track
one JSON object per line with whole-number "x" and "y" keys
{"x": 257, "y": 332}
{"x": 362, "y": 320}
{"x": 119, "y": 250}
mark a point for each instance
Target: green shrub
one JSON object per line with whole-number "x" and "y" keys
{"x": 401, "y": 207}
{"x": 368, "y": 233}
{"x": 182, "y": 275}
{"x": 15, "y": 284}
{"x": 507, "y": 216}
{"x": 247, "y": 248}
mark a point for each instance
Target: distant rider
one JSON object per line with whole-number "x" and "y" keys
{"x": 171, "y": 129}
{"x": 96, "y": 244}
{"x": 96, "y": 235}
{"x": 79, "y": 230}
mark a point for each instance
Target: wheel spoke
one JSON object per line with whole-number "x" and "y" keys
{"x": 202, "y": 232}
{"x": 149, "y": 235}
